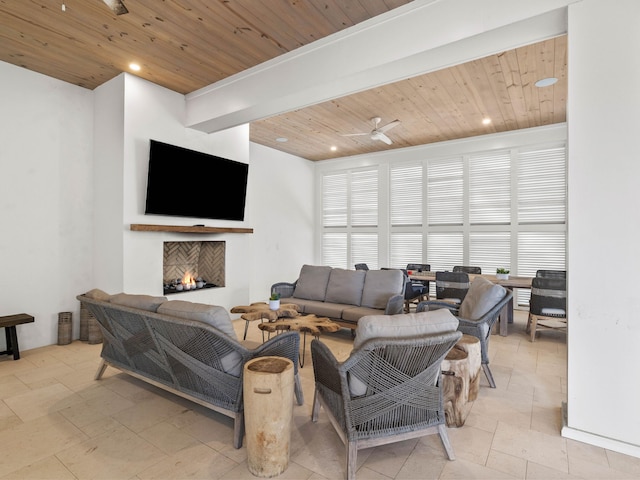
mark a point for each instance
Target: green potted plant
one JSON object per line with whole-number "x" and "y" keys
{"x": 274, "y": 301}
{"x": 502, "y": 273}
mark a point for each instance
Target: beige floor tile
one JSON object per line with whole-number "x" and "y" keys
{"x": 464, "y": 470}
{"x": 147, "y": 413}
{"x": 168, "y": 438}
{"x": 95, "y": 404}
{"x": 116, "y": 454}
{"x": 536, "y": 471}
{"x": 427, "y": 460}
{"x": 624, "y": 463}
{"x": 514, "y": 466}
{"x": 389, "y": 459}
{"x": 471, "y": 443}
{"x": 10, "y": 386}
{"x": 194, "y": 462}
{"x": 49, "y": 467}
{"x": 548, "y": 450}
{"x": 42, "y": 401}
{"x": 36, "y": 440}
{"x": 8, "y": 418}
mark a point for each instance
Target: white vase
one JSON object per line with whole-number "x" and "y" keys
{"x": 274, "y": 304}
{"x": 502, "y": 276}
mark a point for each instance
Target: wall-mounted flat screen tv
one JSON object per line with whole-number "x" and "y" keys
{"x": 186, "y": 183}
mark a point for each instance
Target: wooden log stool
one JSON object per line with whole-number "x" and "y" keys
{"x": 461, "y": 379}
{"x": 9, "y": 323}
{"x": 261, "y": 311}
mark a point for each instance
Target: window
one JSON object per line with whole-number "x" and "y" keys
{"x": 499, "y": 208}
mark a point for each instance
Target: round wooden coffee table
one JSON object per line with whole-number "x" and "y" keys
{"x": 302, "y": 323}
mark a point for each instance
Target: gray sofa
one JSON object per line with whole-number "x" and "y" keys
{"x": 189, "y": 349}
{"x": 342, "y": 295}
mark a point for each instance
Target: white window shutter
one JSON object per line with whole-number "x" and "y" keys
{"x": 490, "y": 188}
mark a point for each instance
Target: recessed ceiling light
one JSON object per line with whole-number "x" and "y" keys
{"x": 546, "y": 82}
{"x": 282, "y": 139}
{"x": 135, "y": 67}
{"x": 334, "y": 148}
{"x": 486, "y": 121}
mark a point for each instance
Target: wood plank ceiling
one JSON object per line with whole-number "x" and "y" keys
{"x": 187, "y": 44}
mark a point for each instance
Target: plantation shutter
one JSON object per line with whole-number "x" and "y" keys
{"x": 405, "y": 184}
{"x": 445, "y": 189}
{"x": 334, "y": 200}
{"x": 364, "y": 249}
{"x": 542, "y": 186}
{"x": 405, "y": 248}
{"x": 490, "y": 188}
{"x": 364, "y": 198}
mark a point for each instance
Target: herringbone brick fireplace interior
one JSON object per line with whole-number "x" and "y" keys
{"x": 196, "y": 259}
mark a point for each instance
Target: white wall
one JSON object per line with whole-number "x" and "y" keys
{"x": 276, "y": 203}
{"x": 45, "y": 201}
{"x": 604, "y": 227}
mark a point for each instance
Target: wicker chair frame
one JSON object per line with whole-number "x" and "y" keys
{"x": 547, "y": 293}
{"x": 479, "y": 328}
{"x": 403, "y": 398}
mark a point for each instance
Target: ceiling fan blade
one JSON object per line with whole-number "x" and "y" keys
{"x": 117, "y": 6}
{"x": 352, "y": 134}
{"x": 382, "y": 137}
{"x": 389, "y": 126}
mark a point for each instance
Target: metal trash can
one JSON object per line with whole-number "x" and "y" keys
{"x": 268, "y": 411}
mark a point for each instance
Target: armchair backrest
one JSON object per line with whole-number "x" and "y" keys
{"x": 482, "y": 296}
{"x": 548, "y": 297}
{"x": 419, "y": 267}
{"x": 551, "y": 273}
{"x": 452, "y": 285}
{"x": 467, "y": 269}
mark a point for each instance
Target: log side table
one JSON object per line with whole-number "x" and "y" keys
{"x": 303, "y": 323}
{"x": 261, "y": 311}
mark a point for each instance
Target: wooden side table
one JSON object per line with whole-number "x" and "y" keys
{"x": 303, "y": 323}
{"x": 261, "y": 311}
{"x": 9, "y": 323}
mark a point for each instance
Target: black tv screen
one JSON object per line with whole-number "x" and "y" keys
{"x": 186, "y": 183}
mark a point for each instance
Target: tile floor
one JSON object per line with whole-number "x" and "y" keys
{"x": 58, "y": 423}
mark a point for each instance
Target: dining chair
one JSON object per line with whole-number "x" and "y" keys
{"x": 551, "y": 273}
{"x": 452, "y": 286}
{"x": 414, "y": 292}
{"x": 361, "y": 266}
{"x": 547, "y": 305}
{"x": 420, "y": 267}
{"x": 467, "y": 269}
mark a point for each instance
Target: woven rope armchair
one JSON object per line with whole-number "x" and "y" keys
{"x": 403, "y": 397}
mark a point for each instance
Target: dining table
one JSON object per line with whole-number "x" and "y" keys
{"x": 512, "y": 282}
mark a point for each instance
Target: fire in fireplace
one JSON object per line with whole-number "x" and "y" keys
{"x": 190, "y": 266}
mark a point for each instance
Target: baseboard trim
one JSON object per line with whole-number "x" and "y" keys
{"x": 597, "y": 440}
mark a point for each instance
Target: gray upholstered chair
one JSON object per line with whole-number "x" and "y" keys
{"x": 390, "y": 387}
{"x": 477, "y": 314}
{"x": 551, "y": 273}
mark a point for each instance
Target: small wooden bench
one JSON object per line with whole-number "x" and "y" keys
{"x": 9, "y": 323}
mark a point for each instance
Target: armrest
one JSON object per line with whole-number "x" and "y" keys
{"x": 285, "y": 344}
{"x": 326, "y": 369}
{"x": 395, "y": 305}
{"x": 429, "y": 305}
{"x": 285, "y": 289}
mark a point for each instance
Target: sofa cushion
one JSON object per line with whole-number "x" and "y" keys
{"x": 399, "y": 326}
{"x": 481, "y": 297}
{"x": 98, "y": 294}
{"x": 345, "y": 286}
{"x": 213, "y": 315}
{"x": 380, "y": 286}
{"x": 143, "y": 302}
{"x": 312, "y": 282}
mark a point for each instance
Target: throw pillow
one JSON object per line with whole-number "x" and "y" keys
{"x": 345, "y": 286}
{"x": 481, "y": 297}
{"x": 143, "y": 302}
{"x": 312, "y": 282}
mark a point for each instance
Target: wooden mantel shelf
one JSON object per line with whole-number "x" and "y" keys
{"x": 141, "y": 227}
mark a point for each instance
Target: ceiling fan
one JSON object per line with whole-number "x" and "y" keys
{"x": 117, "y": 6}
{"x": 378, "y": 133}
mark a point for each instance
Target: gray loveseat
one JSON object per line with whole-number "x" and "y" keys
{"x": 189, "y": 349}
{"x": 342, "y": 295}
